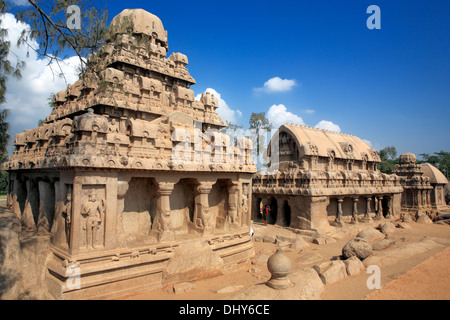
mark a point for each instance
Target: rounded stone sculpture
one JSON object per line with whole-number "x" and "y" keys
{"x": 357, "y": 247}
{"x": 279, "y": 266}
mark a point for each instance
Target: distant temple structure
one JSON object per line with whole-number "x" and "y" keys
{"x": 320, "y": 174}
{"x": 424, "y": 185}
{"x": 129, "y": 169}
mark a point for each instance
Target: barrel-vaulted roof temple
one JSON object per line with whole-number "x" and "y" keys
{"x": 138, "y": 186}
{"x": 323, "y": 173}
{"x": 321, "y": 177}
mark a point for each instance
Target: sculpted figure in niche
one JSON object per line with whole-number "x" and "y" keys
{"x": 245, "y": 208}
{"x": 113, "y": 126}
{"x": 232, "y": 212}
{"x": 206, "y": 220}
{"x": 93, "y": 212}
{"x": 66, "y": 212}
{"x": 164, "y": 221}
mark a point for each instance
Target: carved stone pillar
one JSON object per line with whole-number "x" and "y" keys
{"x": 379, "y": 215}
{"x": 419, "y": 199}
{"x": 280, "y": 213}
{"x": 415, "y": 200}
{"x": 204, "y": 218}
{"x": 355, "y": 210}
{"x": 31, "y": 208}
{"x": 233, "y": 195}
{"x": 429, "y": 199}
{"x": 338, "y": 222}
{"x": 163, "y": 218}
{"x": 389, "y": 214}
{"x": 122, "y": 189}
{"x": 367, "y": 217}
{"x": 17, "y": 195}
{"x": 46, "y": 206}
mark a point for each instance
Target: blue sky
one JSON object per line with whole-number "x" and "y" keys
{"x": 390, "y": 86}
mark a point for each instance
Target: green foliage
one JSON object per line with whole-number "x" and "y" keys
{"x": 388, "y": 153}
{"x": 389, "y": 159}
{"x": 4, "y": 176}
{"x": 259, "y": 121}
{"x": 440, "y": 160}
{"x": 4, "y": 139}
{"x": 387, "y": 166}
{"x": 48, "y": 21}
{"x": 6, "y": 69}
{"x": 51, "y": 101}
{"x": 259, "y": 126}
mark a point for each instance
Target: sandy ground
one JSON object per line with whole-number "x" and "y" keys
{"x": 430, "y": 280}
{"x": 424, "y": 276}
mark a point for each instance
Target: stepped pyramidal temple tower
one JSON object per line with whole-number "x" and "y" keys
{"x": 423, "y": 184}
{"x": 131, "y": 176}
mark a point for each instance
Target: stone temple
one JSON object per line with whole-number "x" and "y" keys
{"x": 423, "y": 184}
{"x": 319, "y": 173}
{"x": 137, "y": 186}
{"x": 131, "y": 176}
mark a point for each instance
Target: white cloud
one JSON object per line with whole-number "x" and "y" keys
{"x": 27, "y": 98}
{"x": 328, "y": 125}
{"x": 21, "y": 3}
{"x": 368, "y": 142}
{"x": 278, "y": 115}
{"x": 276, "y": 84}
{"x": 224, "y": 110}
{"x": 309, "y": 111}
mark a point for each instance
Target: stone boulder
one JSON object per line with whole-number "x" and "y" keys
{"x": 353, "y": 266}
{"x": 299, "y": 243}
{"x": 424, "y": 219}
{"x": 371, "y": 234}
{"x": 331, "y": 271}
{"x": 393, "y": 255}
{"x": 308, "y": 258}
{"x": 23, "y": 259}
{"x": 323, "y": 240}
{"x": 443, "y": 222}
{"x": 357, "y": 247}
{"x": 9, "y": 256}
{"x": 406, "y": 217}
{"x": 265, "y": 238}
{"x": 193, "y": 260}
{"x": 387, "y": 228}
{"x": 183, "y": 287}
{"x": 229, "y": 289}
{"x": 382, "y": 244}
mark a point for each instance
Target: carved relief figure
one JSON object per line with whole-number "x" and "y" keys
{"x": 93, "y": 213}
{"x": 113, "y": 126}
{"x": 245, "y": 200}
{"x": 206, "y": 220}
{"x": 66, "y": 212}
